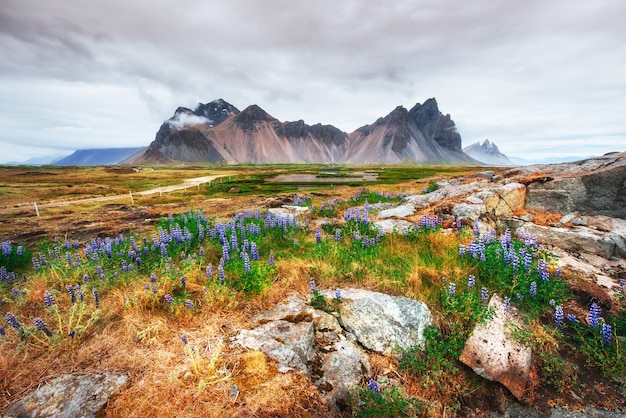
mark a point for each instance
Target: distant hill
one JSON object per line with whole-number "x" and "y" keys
{"x": 217, "y": 132}
{"x": 99, "y": 156}
{"x": 549, "y": 160}
{"x": 488, "y": 153}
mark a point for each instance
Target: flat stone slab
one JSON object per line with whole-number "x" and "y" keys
{"x": 68, "y": 396}
{"x": 401, "y": 211}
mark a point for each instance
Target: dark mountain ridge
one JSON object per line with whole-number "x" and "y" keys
{"x": 218, "y": 132}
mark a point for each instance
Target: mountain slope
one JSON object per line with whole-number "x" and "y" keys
{"x": 488, "y": 153}
{"x": 217, "y": 132}
{"x": 100, "y": 156}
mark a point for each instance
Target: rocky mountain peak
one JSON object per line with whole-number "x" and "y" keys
{"x": 216, "y": 111}
{"x": 488, "y": 153}
{"x": 433, "y": 123}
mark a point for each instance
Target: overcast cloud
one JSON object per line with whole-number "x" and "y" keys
{"x": 538, "y": 78}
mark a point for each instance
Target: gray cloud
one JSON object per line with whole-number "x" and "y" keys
{"x": 532, "y": 76}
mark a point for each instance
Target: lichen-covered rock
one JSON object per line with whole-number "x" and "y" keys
{"x": 68, "y": 396}
{"x": 494, "y": 354}
{"x": 290, "y": 344}
{"x": 389, "y": 226}
{"x": 471, "y": 211}
{"x": 401, "y": 211}
{"x": 343, "y": 368}
{"x": 578, "y": 239}
{"x": 381, "y": 322}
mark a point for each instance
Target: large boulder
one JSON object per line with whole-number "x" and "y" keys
{"x": 579, "y": 239}
{"x": 381, "y": 322}
{"x": 494, "y": 354}
{"x": 595, "y": 186}
{"x": 311, "y": 341}
{"x": 504, "y": 200}
{"x": 69, "y": 396}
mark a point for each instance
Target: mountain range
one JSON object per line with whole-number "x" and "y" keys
{"x": 217, "y": 132}
{"x": 488, "y": 153}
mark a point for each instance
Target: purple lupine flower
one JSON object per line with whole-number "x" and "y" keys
{"x": 471, "y": 281}
{"x": 318, "y": 235}
{"x": 79, "y": 293}
{"x": 12, "y": 320}
{"x": 188, "y": 304}
{"x": 155, "y": 289}
{"x": 270, "y": 260}
{"x": 622, "y": 283}
{"x": 451, "y": 289}
{"x": 246, "y": 263}
{"x": 220, "y": 273}
{"x": 153, "y": 278}
{"x": 48, "y": 299}
{"x": 183, "y": 282}
{"x": 312, "y": 284}
{"x": 209, "y": 270}
{"x": 607, "y": 334}
{"x": 168, "y": 298}
{"x": 484, "y": 295}
{"x": 184, "y": 339}
{"x": 337, "y": 234}
{"x": 103, "y": 276}
{"x": 96, "y": 298}
{"x": 41, "y": 326}
{"x": 15, "y": 292}
{"x": 571, "y": 318}
{"x": 86, "y": 277}
{"x": 552, "y": 303}
{"x": 594, "y": 315}
{"x": 254, "y": 251}
{"x": 506, "y": 305}
{"x": 374, "y": 386}
{"x": 461, "y": 250}
{"x": 2, "y": 331}
{"x": 533, "y": 289}
{"x": 146, "y": 286}
{"x": 558, "y": 316}
{"x": 337, "y": 293}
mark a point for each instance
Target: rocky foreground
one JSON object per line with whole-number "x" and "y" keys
{"x": 578, "y": 210}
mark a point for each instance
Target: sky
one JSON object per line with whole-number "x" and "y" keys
{"x": 538, "y": 78}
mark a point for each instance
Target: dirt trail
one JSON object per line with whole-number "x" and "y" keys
{"x": 192, "y": 182}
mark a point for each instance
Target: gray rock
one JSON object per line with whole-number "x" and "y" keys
{"x": 514, "y": 410}
{"x": 568, "y": 218}
{"x": 69, "y": 396}
{"x": 485, "y": 174}
{"x": 475, "y": 200}
{"x": 595, "y": 186}
{"x": 493, "y": 354}
{"x": 580, "y": 221}
{"x": 580, "y": 239}
{"x": 401, "y": 211}
{"x": 290, "y": 344}
{"x": 389, "y": 226}
{"x": 343, "y": 369}
{"x": 382, "y": 322}
{"x": 464, "y": 210}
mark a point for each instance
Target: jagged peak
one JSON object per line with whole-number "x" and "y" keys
{"x": 256, "y": 112}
